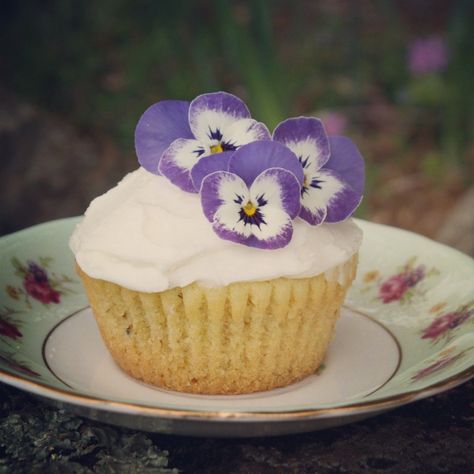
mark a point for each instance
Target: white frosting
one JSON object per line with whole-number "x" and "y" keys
{"x": 147, "y": 235}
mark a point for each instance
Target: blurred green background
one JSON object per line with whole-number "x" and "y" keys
{"x": 395, "y": 76}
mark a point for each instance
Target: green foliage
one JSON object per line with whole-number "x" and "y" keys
{"x": 458, "y": 106}
{"x": 102, "y": 63}
{"x": 432, "y": 166}
{"x": 20, "y": 270}
{"x": 45, "y": 261}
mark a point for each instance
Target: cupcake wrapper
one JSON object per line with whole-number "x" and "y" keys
{"x": 241, "y": 338}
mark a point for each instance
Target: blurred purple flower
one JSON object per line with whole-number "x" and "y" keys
{"x": 427, "y": 55}
{"x": 334, "y": 122}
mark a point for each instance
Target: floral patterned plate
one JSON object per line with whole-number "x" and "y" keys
{"x": 405, "y": 333}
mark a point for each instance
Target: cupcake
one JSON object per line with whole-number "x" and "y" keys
{"x": 220, "y": 265}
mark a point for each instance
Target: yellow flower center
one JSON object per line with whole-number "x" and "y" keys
{"x": 249, "y": 209}
{"x": 216, "y": 148}
{"x": 305, "y": 182}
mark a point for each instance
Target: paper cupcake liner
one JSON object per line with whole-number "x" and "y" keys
{"x": 241, "y": 338}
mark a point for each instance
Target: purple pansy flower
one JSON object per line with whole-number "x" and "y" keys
{"x": 252, "y": 200}
{"x": 333, "y": 169}
{"x": 172, "y": 136}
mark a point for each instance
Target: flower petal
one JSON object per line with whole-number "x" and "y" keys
{"x": 347, "y": 161}
{"x": 222, "y": 195}
{"x": 278, "y": 188}
{"x": 210, "y": 113}
{"x": 242, "y": 132}
{"x": 219, "y": 188}
{"x": 209, "y": 164}
{"x": 306, "y": 138}
{"x": 228, "y": 225}
{"x": 275, "y": 234}
{"x": 252, "y": 159}
{"x": 315, "y": 214}
{"x": 178, "y": 160}
{"x": 328, "y": 198}
{"x": 158, "y": 127}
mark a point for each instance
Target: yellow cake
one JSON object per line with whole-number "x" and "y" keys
{"x": 240, "y": 338}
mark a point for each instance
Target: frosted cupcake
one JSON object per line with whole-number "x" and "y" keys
{"x": 221, "y": 264}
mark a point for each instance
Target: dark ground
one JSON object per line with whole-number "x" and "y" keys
{"x": 431, "y": 436}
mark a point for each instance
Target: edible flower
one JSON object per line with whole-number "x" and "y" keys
{"x": 251, "y": 185}
{"x": 333, "y": 169}
{"x": 253, "y": 199}
{"x": 172, "y": 136}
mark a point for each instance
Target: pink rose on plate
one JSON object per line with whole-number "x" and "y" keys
{"x": 393, "y": 288}
{"x": 8, "y": 359}
{"x": 9, "y": 330}
{"x": 36, "y": 283}
{"x": 415, "y": 276}
{"x": 446, "y": 322}
{"x": 41, "y": 291}
{"x": 438, "y": 365}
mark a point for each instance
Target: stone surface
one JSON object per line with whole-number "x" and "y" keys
{"x": 431, "y": 436}
{"x": 37, "y": 438}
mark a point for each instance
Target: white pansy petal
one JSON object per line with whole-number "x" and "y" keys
{"x": 320, "y": 188}
{"x": 267, "y": 189}
{"x": 277, "y": 228}
{"x": 222, "y": 197}
{"x": 231, "y": 187}
{"x": 277, "y": 188}
{"x": 327, "y": 197}
{"x": 178, "y": 160}
{"x": 211, "y": 124}
{"x": 227, "y": 220}
{"x": 185, "y": 153}
{"x": 313, "y": 210}
{"x": 244, "y": 131}
{"x": 210, "y": 114}
{"x": 306, "y": 137}
{"x": 307, "y": 153}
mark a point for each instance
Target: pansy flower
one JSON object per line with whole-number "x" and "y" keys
{"x": 172, "y": 136}
{"x": 252, "y": 200}
{"x": 333, "y": 170}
